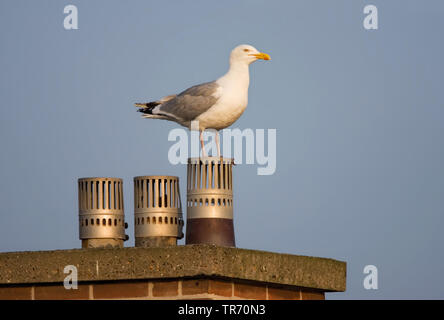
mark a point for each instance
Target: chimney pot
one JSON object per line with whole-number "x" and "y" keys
{"x": 101, "y": 212}
{"x": 157, "y": 211}
{"x": 210, "y": 201}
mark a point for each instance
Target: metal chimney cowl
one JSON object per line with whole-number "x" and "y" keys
{"x": 101, "y": 212}
{"x": 210, "y": 201}
{"x": 157, "y": 211}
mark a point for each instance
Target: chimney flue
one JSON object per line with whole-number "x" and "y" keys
{"x": 101, "y": 213}
{"x": 210, "y": 201}
{"x": 157, "y": 211}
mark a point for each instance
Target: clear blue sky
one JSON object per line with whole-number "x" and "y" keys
{"x": 359, "y": 118}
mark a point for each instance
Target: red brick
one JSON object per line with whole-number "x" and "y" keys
{"x": 15, "y": 293}
{"x": 120, "y": 290}
{"x": 58, "y": 292}
{"x": 201, "y": 286}
{"x": 221, "y": 288}
{"x": 312, "y": 295}
{"x": 197, "y": 286}
{"x": 283, "y": 294}
{"x": 250, "y": 291}
{"x": 165, "y": 288}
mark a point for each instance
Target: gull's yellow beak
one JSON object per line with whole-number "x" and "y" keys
{"x": 262, "y": 56}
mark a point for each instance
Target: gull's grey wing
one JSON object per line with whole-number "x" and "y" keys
{"x": 190, "y": 103}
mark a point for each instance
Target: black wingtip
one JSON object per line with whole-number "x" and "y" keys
{"x": 151, "y": 104}
{"x": 147, "y": 108}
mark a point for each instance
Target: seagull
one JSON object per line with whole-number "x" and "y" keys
{"x": 215, "y": 105}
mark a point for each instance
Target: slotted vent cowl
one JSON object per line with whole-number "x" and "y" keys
{"x": 210, "y": 201}
{"x": 101, "y": 210}
{"x": 157, "y": 207}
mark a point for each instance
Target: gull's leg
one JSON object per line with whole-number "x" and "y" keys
{"x": 217, "y": 143}
{"x": 202, "y": 143}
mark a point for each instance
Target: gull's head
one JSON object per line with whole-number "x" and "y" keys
{"x": 247, "y": 54}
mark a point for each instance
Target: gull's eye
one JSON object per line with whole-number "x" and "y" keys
{"x": 246, "y": 50}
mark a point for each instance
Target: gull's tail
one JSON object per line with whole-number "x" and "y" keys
{"x": 147, "y": 108}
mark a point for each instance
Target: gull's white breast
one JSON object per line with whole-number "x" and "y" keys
{"x": 233, "y": 100}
